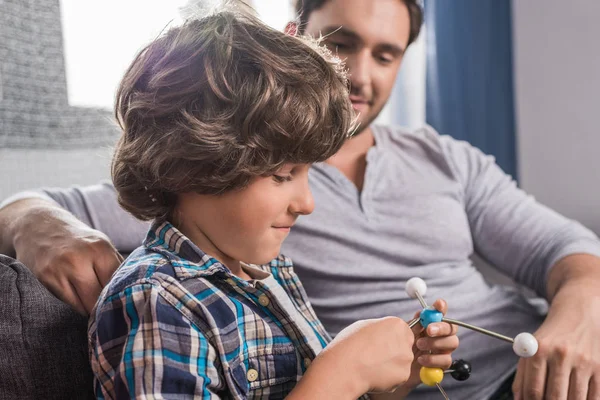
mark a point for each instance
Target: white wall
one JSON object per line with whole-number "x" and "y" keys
{"x": 557, "y": 89}
{"x": 23, "y": 169}
{"x": 92, "y": 82}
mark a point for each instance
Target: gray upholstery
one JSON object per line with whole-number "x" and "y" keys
{"x": 43, "y": 342}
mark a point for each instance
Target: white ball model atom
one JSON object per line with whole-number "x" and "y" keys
{"x": 414, "y": 285}
{"x": 525, "y": 345}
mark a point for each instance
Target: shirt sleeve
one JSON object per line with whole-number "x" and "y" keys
{"x": 513, "y": 231}
{"x": 143, "y": 347}
{"x": 96, "y": 206}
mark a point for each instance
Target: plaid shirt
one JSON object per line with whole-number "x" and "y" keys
{"x": 175, "y": 323}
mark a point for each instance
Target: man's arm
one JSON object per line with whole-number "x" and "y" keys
{"x": 568, "y": 362}
{"x": 557, "y": 257}
{"x": 94, "y": 205}
{"x": 72, "y": 260}
{"x": 510, "y": 229}
{"x": 63, "y": 247}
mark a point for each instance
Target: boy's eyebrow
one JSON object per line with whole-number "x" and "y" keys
{"x": 350, "y": 34}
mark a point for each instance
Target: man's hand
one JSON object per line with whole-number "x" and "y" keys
{"x": 567, "y": 364}
{"x": 72, "y": 260}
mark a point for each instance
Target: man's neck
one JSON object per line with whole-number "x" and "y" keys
{"x": 351, "y": 159}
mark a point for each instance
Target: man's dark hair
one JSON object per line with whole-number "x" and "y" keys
{"x": 305, "y": 7}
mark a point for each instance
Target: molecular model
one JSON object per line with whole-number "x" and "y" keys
{"x": 524, "y": 344}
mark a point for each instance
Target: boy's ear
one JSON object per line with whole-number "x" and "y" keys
{"x": 291, "y": 28}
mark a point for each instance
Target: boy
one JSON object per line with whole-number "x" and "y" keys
{"x": 221, "y": 120}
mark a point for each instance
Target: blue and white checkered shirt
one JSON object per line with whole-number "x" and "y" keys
{"x": 175, "y": 323}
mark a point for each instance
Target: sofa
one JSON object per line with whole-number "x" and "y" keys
{"x": 43, "y": 342}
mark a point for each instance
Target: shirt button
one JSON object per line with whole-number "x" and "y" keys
{"x": 307, "y": 362}
{"x": 252, "y": 375}
{"x": 263, "y": 300}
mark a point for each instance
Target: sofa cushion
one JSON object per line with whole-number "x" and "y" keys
{"x": 43, "y": 342}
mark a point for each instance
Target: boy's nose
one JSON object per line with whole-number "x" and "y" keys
{"x": 304, "y": 203}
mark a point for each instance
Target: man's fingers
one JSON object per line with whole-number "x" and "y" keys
{"x": 557, "y": 386}
{"x": 534, "y": 380}
{"x": 79, "y": 305}
{"x": 66, "y": 293}
{"x": 105, "y": 266}
{"x": 89, "y": 295}
{"x": 594, "y": 388}
{"x": 578, "y": 385}
{"x": 517, "y": 386}
{"x": 87, "y": 287}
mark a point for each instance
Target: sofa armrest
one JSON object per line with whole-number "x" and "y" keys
{"x": 43, "y": 341}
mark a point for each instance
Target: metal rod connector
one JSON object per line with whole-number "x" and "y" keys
{"x": 478, "y": 329}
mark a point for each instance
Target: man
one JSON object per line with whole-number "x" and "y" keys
{"x": 390, "y": 205}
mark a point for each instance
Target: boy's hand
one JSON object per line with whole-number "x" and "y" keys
{"x": 370, "y": 355}
{"x": 433, "y": 347}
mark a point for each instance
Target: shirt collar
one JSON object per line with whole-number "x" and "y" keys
{"x": 189, "y": 261}
{"x": 186, "y": 258}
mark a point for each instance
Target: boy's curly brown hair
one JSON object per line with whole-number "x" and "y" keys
{"x": 219, "y": 100}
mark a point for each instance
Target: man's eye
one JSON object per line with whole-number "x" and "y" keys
{"x": 385, "y": 59}
{"x": 336, "y": 46}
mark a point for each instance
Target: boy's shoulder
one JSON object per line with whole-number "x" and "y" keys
{"x": 159, "y": 267}
{"x": 142, "y": 266}
{"x": 155, "y": 267}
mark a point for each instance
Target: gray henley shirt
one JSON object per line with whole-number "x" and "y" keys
{"x": 428, "y": 203}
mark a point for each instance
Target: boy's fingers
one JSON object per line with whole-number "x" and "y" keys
{"x": 441, "y": 305}
{"x": 438, "y": 345}
{"x": 417, "y": 329}
{"x": 442, "y": 361}
{"x": 438, "y": 329}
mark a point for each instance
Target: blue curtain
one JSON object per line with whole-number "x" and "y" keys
{"x": 469, "y": 85}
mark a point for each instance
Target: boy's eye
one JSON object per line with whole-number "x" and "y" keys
{"x": 282, "y": 178}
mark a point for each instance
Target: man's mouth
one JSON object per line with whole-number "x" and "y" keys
{"x": 359, "y": 103}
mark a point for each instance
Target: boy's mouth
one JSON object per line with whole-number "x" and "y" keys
{"x": 283, "y": 227}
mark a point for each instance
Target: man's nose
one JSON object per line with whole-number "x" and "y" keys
{"x": 359, "y": 68}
